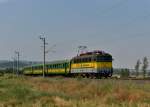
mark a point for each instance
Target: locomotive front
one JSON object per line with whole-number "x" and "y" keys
{"x": 95, "y": 64}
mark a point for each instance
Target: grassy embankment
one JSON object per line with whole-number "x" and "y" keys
{"x": 70, "y": 92}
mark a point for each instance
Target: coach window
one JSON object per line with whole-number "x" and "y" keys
{"x": 94, "y": 59}
{"x": 90, "y": 59}
{"x": 64, "y": 65}
{"x": 80, "y": 60}
{"x": 84, "y": 59}
{"x": 75, "y": 60}
{"x": 87, "y": 60}
{"x": 99, "y": 58}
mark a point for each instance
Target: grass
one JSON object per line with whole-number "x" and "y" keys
{"x": 70, "y": 92}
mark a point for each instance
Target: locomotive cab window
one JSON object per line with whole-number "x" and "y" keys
{"x": 104, "y": 58}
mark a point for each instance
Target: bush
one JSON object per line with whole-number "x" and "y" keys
{"x": 125, "y": 73}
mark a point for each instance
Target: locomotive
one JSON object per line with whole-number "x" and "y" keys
{"x": 95, "y": 64}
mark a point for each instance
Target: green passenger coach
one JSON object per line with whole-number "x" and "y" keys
{"x": 52, "y": 68}
{"x": 58, "y": 67}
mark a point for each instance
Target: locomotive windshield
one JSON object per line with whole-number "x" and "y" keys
{"x": 105, "y": 58}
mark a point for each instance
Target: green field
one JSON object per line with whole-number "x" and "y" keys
{"x": 72, "y": 92}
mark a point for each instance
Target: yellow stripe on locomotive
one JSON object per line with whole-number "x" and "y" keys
{"x": 95, "y": 65}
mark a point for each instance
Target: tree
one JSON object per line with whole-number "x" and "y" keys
{"x": 125, "y": 73}
{"x": 137, "y": 67}
{"x": 145, "y": 66}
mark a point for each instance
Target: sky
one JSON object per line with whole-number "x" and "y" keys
{"x": 119, "y": 27}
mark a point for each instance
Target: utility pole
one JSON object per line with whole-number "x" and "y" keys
{"x": 13, "y": 64}
{"x": 18, "y": 64}
{"x": 44, "y": 53}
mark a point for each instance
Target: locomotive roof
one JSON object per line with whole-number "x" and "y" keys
{"x": 91, "y": 55}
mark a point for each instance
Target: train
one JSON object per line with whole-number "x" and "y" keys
{"x": 94, "y": 64}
